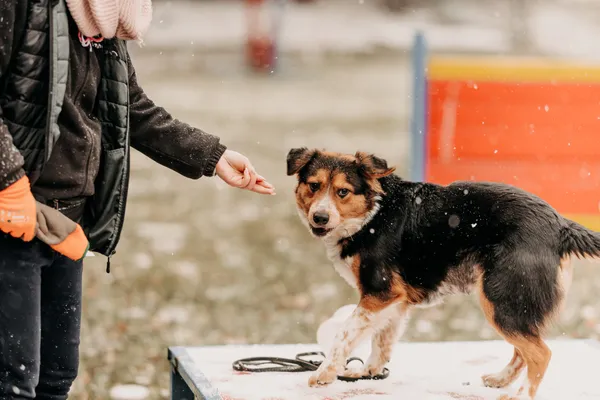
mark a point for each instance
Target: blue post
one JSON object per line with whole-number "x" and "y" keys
{"x": 418, "y": 128}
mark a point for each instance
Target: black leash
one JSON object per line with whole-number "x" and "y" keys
{"x": 299, "y": 364}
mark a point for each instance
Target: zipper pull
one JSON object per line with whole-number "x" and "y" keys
{"x": 56, "y": 205}
{"x": 108, "y": 265}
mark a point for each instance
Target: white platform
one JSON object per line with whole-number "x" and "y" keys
{"x": 418, "y": 371}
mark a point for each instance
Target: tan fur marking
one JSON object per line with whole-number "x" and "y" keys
{"x": 399, "y": 292}
{"x": 351, "y": 206}
{"x": 321, "y": 175}
{"x": 537, "y": 357}
{"x": 487, "y": 307}
{"x": 375, "y": 186}
{"x": 355, "y": 268}
{"x": 533, "y": 350}
{"x": 305, "y": 197}
{"x": 375, "y": 304}
{"x": 404, "y": 292}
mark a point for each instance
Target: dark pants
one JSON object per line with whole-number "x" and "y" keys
{"x": 40, "y": 320}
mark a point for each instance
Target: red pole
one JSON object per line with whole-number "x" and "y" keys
{"x": 260, "y": 46}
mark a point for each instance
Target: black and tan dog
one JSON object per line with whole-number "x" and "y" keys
{"x": 407, "y": 244}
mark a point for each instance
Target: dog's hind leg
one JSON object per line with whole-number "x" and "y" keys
{"x": 532, "y": 348}
{"x": 521, "y": 323}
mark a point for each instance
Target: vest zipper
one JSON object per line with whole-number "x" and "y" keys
{"x": 47, "y": 149}
{"x": 124, "y": 182}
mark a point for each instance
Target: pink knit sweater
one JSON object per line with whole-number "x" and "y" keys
{"x": 124, "y": 19}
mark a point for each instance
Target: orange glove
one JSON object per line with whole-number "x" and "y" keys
{"x": 17, "y": 210}
{"x": 60, "y": 233}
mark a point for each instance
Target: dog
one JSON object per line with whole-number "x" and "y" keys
{"x": 405, "y": 245}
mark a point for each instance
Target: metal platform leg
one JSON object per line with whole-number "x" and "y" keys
{"x": 179, "y": 389}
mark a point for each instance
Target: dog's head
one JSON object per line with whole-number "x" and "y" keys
{"x": 337, "y": 193}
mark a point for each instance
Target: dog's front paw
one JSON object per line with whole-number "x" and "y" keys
{"x": 367, "y": 370}
{"x": 353, "y": 373}
{"x": 375, "y": 364}
{"x": 495, "y": 380}
{"x": 325, "y": 375}
{"x": 374, "y": 367}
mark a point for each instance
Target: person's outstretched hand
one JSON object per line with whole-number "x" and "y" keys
{"x": 236, "y": 170}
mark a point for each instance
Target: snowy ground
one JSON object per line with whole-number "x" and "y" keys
{"x": 200, "y": 263}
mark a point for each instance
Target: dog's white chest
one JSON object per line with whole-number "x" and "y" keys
{"x": 342, "y": 266}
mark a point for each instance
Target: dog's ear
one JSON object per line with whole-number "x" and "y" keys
{"x": 373, "y": 166}
{"x": 298, "y": 158}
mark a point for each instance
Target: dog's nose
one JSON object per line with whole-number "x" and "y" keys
{"x": 321, "y": 218}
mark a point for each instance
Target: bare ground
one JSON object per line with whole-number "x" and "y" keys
{"x": 200, "y": 263}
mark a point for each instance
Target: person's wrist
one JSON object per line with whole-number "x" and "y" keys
{"x": 13, "y": 178}
{"x": 211, "y": 167}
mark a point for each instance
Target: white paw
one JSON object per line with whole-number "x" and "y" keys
{"x": 325, "y": 375}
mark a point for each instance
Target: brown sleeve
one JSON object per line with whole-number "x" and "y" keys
{"x": 168, "y": 141}
{"x": 11, "y": 160}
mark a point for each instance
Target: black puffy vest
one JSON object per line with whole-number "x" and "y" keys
{"x": 32, "y": 100}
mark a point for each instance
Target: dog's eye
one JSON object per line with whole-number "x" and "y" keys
{"x": 314, "y": 186}
{"x": 343, "y": 192}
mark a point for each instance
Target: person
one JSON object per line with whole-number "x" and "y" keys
{"x": 70, "y": 108}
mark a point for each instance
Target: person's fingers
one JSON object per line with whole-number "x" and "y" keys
{"x": 266, "y": 186}
{"x": 245, "y": 178}
{"x": 252, "y": 182}
{"x": 238, "y": 161}
{"x": 263, "y": 181}
{"x": 263, "y": 190}
{"x": 260, "y": 178}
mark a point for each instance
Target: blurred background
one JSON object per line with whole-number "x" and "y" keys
{"x": 200, "y": 263}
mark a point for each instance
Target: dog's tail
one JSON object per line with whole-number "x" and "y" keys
{"x": 578, "y": 240}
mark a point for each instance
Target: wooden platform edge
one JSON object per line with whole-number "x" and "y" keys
{"x": 198, "y": 384}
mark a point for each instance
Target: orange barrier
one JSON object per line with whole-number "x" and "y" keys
{"x": 532, "y": 124}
